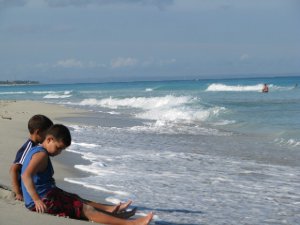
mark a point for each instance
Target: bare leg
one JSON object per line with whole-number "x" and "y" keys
{"x": 117, "y": 212}
{"x": 115, "y": 209}
{"x": 93, "y": 215}
{"x": 109, "y": 208}
{"x": 122, "y": 206}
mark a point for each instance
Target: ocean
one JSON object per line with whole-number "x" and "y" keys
{"x": 213, "y": 151}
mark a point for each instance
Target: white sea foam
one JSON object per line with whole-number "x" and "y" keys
{"x": 138, "y": 102}
{"x": 168, "y": 113}
{"x": 96, "y": 187}
{"x": 149, "y": 89}
{"x": 162, "y": 127}
{"x": 293, "y": 142}
{"x": 86, "y": 145}
{"x": 69, "y": 149}
{"x": 174, "y": 114}
{"x": 281, "y": 88}
{"x": 90, "y": 156}
{"x": 153, "y": 184}
{"x": 180, "y": 114}
{"x": 94, "y": 168}
{"x": 44, "y": 92}
{"x": 57, "y": 96}
{"x": 215, "y": 87}
{"x": 113, "y": 113}
{"x": 224, "y": 122}
{"x": 109, "y": 112}
{"x": 13, "y": 93}
{"x": 76, "y": 128}
{"x": 224, "y": 87}
{"x": 162, "y": 110}
{"x": 176, "y": 119}
{"x": 289, "y": 142}
{"x": 112, "y": 200}
{"x": 82, "y": 148}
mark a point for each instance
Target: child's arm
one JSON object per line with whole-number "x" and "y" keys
{"x": 38, "y": 163}
{"x": 15, "y": 170}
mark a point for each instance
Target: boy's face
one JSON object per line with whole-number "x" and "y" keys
{"x": 53, "y": 146}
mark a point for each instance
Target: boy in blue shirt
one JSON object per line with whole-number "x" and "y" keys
{"x": 37, "y": 127}
{"x": 42, "y": 195}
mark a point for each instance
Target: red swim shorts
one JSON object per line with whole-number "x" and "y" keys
{"x": 62, "y": 203}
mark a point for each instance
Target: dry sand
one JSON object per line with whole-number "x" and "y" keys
{"x": 14, "y": 116}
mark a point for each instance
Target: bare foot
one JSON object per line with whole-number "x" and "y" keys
{"x": 121, "y": 207}
{"x": 125, "y": 205}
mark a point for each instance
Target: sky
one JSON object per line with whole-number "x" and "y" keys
{"x": 69, "y": 41}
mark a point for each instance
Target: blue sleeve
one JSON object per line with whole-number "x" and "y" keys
{"x": 19, "y": 156}
{"x": 22, "y": 151}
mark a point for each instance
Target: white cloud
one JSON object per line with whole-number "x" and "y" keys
{"x": 123, "y": 62}
{"x": 120, "y": 62}
{"x": 69, "y": 63}
{"x": 74, "y": 63}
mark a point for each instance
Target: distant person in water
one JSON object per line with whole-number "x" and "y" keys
{"x": 265, "y": 89}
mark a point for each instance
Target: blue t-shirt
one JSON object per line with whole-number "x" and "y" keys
{"x": 22, "y": 152}
{"x": 43, "y": 181}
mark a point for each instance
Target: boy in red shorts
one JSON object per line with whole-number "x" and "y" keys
{"x": 42, "y": 195}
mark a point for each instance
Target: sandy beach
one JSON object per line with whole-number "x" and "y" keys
{"x": 14, "y": 116}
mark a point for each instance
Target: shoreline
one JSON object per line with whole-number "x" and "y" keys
{"x": 14, "y": 116}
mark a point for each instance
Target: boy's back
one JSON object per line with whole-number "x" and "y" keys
{"x": 37, "y": 127}
{"x": 23, "y": 151}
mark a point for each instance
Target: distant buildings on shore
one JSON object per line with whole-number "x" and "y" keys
{"x": 18, "y": 82}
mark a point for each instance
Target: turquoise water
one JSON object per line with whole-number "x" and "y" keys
{"x": 194, "y": 152}
{"x": 235, "y": 104}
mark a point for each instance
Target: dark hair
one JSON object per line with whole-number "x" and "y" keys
{"x": 39, "y": 122}
{"x": 60, "y": 133}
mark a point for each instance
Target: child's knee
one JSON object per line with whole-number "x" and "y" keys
{"x": 88, "y": 211}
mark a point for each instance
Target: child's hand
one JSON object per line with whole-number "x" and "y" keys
{"x": 19, "y": 197}
{"x": 40, "y": 206}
